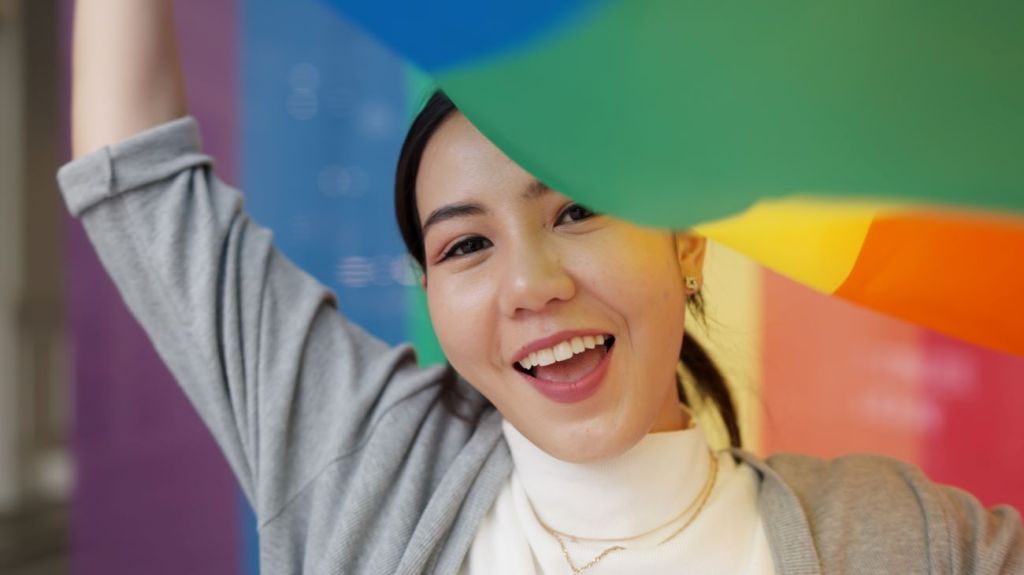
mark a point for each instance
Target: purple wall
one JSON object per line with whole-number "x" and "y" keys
{"x": 153, "y": 493}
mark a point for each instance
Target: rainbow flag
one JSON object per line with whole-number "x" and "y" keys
{"x": 872, "y": 150}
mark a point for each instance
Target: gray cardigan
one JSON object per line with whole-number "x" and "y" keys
{"x": 341, "y": 444}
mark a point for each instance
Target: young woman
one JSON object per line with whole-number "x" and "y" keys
{"x": 561, "y": 446}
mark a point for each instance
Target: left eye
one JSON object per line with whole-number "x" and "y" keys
{"x": 574, "y": 213}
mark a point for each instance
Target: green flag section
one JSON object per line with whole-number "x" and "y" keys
{"x": 674, "y": 113}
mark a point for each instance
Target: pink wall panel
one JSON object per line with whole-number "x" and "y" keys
{"x": 839, "y": 379}
{"x": 836, "y": 378}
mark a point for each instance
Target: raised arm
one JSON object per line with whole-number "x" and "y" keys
{"x": 287, "y": 386}
{"x": 126, "y": 74}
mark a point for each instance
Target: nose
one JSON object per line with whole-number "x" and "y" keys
{"x": 535, "y": 276}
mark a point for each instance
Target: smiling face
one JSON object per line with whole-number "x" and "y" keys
{"x": 513, "y": 269}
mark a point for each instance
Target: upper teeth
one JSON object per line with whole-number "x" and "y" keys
{"x": 561, "y": 351}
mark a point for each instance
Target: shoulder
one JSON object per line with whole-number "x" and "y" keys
{"x": 854, "y": 482}
{"x": 874, "y": 510}
{"x": 861, "y": 509}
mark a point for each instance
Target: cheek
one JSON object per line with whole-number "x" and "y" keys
{"x": 638, "y": 277}
{"x": 636, "y": 269}
{"x": 463, "y": 319}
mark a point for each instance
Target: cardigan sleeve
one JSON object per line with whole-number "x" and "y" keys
{"x": 874, "y": 514}
{"x": 284, "y": 382}
{"x": 981, "y": 541}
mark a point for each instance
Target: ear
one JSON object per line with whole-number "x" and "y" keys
{"x": 690, "y": 249}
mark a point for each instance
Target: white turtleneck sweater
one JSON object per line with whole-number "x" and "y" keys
{"x": 643, "y": 489}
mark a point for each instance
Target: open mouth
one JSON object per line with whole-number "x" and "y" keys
{"x": 567, "y": 361}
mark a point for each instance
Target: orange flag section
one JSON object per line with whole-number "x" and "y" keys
{"x": 957, "y": 273}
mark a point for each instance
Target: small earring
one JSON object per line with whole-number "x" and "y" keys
{"x": 691, "y": 285}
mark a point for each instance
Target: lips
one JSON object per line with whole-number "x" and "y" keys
{"x": 568, "y": 366}
{"x": 573, "y": 380}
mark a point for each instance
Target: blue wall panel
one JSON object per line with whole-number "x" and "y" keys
{"x": 324, "y": 114}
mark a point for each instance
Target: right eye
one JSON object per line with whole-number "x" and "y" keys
{"x": 466, "y": 247}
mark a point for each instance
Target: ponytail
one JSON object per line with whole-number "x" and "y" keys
{"x": 709, "y": 382}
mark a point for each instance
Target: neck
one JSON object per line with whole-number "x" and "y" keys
{"x": 672, "y": 418}
{"x": 634, "y": 492}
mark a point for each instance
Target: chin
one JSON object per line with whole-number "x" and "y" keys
{"x": 589, "y": 446}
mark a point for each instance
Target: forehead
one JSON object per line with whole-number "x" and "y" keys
{"x": 460, "y": 164}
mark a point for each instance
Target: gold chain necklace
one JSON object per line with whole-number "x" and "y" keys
{"x": 699, "y": 502}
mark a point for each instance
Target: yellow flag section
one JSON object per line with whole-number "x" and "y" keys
{"x": 957, "y": 272}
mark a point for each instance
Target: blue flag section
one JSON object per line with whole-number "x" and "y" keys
{"x": 442, "y": 35}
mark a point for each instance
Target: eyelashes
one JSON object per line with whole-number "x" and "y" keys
{"x": 466, "y": 247}
{"x": 576, "y": 212}
{"x": 573, "y": 213}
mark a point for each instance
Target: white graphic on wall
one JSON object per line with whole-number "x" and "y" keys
{"x": 375, "y": 271}
{"x": 338, "y": 181}
{"x": 303, "y": 101}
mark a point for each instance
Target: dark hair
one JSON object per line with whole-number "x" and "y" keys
{"x": 709, "y": 382}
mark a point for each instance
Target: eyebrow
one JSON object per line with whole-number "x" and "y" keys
{"x": 452, "y": 211}
{"x": 534, "y": 189}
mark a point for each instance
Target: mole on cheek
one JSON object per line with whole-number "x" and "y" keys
{"x": 665, "y": 296}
